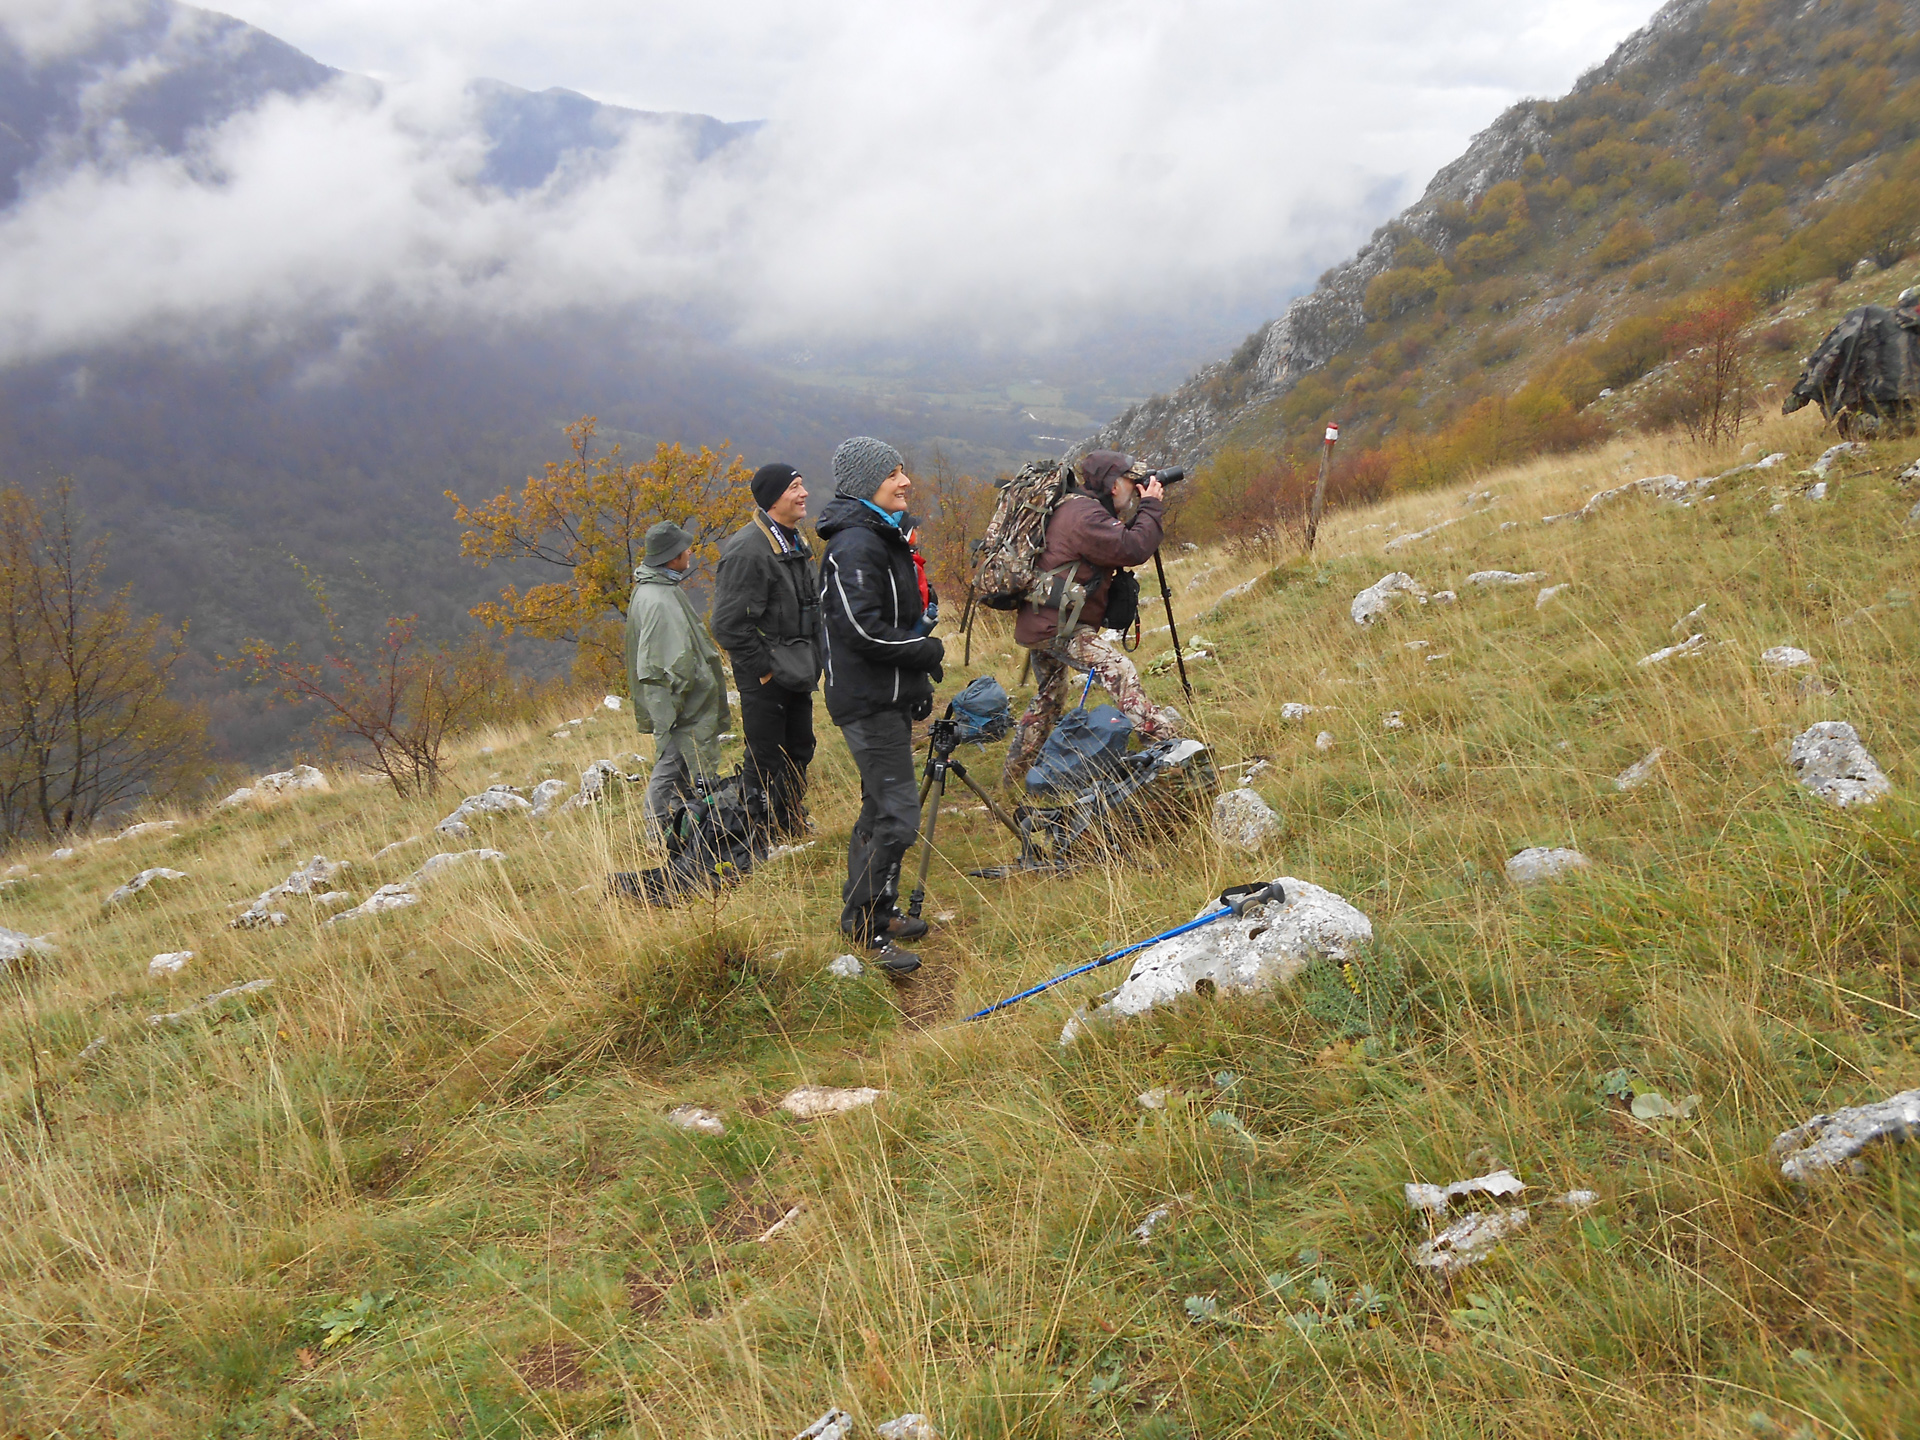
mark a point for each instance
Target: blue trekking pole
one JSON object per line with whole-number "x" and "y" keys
{"x": 1236, "y": 901}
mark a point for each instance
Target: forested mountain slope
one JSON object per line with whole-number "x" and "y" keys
{"x": 1751, "y": 144}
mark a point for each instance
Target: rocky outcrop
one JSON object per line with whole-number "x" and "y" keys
{"x": 1267, "y": 946}
{"x": 1825, "y": 1143}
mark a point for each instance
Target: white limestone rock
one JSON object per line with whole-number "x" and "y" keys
{"x": 611, "y": 702}
{"x": 147, "y": 829}
{"x": 1498, "y": 1184}
{"x": 495, "y": 800}
{"x": 313, "y": 879}
{"x": 1831, "y": 456}
{"x": 178, "y": 1017}
{"x": 437, "y": 865}
{"x": 694, "y": 1117}
{"x": 596, "y": 782}
{"x": 1692, "y": 645}
{"x": 386, "y": 850}
{"x": 547, "y": 797}
{"x": 1506, "y": 577}
{"x": 1296, "y": 710}
{"x": 846, "y": 967}
{"x": 1822, "y": 1144}
{"x": 1641, "y": 771}
{"x": 1323, "y": 741}
{"x": 1785, "y": 657}
{"x": 1548, "y": 593}
{"x": 1469, "y": 1240}
{"x": 907, "y": 1427}
{"x": 1374, "y": 601}
{"x": 809, "y": 1102}
{"x": 1267, "y": 946}
{"x": 1694, "y": 622}
{"x": 18, "y": 945}
{"x": 141, "y": 881}
{"x": 278, "y": 785}
{"x": 1829, "y": 760}
{"x": 386, "y": 898}
{"x": 1537, "y": 864}
{"x": 1402, "y": 541}
{"x": 836, "y": 1424}
{"x": 171, "y": 963}
{"x": 1243, "y": 820}
{"x": 1393, "y": 720}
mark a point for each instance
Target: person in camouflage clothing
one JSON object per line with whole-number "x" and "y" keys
{"x": 1107, "y": 522}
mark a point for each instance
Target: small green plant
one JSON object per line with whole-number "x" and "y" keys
{"x": 351, "y": 1319}
{"x": 1369, "y": 995}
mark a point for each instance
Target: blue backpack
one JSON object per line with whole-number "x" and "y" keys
{"x": 1087, "y": 745}
{"x": 981, "y": 711}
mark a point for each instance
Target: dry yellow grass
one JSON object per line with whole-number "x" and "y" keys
{"x": 456, "y": 1111}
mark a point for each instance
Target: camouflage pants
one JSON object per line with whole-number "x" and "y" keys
{"x": 1055, "y": 665}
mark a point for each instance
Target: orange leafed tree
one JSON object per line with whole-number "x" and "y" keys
{"x": 587, "y": 518}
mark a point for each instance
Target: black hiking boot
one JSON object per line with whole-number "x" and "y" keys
{"x": 895, "y": 961}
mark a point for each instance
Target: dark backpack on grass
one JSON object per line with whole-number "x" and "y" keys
{"x": 713, "y": 841}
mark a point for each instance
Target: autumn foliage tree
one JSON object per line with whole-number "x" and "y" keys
{"x": 397, "y": 700}
{"x": 1712, "y": 381}
{"x": 87, "y": 723}
{"x": 585, "y": 521}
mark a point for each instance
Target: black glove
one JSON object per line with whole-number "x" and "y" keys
{"x": 937, "y": 673}
{"x": 921, "y": 708}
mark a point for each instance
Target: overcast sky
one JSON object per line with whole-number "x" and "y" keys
{"x": 1004, "y": 168}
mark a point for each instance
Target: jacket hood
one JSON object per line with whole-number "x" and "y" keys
{"x": 658, "y": 575}
{"x": 841, "y": 513}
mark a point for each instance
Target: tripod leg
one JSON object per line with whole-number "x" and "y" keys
{"x": 992, "y": 805}
{"x": 937, "y": 783}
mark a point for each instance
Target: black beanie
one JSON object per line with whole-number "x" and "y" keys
{"x": 770, "y": 482}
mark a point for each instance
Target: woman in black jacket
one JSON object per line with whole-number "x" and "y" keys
{"x": 881, "y": 665}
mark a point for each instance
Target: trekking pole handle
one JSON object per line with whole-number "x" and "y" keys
{"x": 1240, "y": 901}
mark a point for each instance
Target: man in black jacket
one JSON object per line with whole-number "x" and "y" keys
{"x": 766, "y": 616}
{"x": 881, "y": 667}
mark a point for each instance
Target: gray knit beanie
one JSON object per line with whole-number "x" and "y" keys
{"x": 861, "y": 464}
{"x": 664, "y": 541}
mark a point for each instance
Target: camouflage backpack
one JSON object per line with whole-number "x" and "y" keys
{"x": 1006, "y": 571}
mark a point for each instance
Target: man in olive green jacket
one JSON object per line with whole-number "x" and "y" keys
{"x": 674, "y": 677}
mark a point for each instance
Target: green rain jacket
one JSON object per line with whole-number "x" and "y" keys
{"x": 673, "y": 667}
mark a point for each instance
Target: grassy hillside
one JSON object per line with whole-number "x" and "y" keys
{"x": 440, "y": 1135}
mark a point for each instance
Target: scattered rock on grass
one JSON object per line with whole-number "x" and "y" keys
{"x": 1830, "y": 761}
{"x": 141, "y": 881}
{"x": 1539, "y": 863}
{"x": 386, "y": 850}
{"x": 1692, "y": 645}
{"x": 1832, "y": 455}
{"x": 1506, "y": 577}
{"x": 277, "y": 785}
{"x": 836, "y": 1424}
{"x": 846, "y": 967}
{"x": 694, "y": 1117}
{"x": 1785, "y": 657}
{"x": 1269, "y": 945}
{"x": 313, "y": 879}
{"x": 907, "y": 1427}
{"x": 1296, "y": 710}
{"x": 1393, "y": 720}
{"x": 495, "y": 800}
{"x": 171, "y": 963}
{"x": 1154, "y": 1218}
{"x": 1374, "y": 601}
{"x": 1469, "y": 1240}
{"x": 180, "y": 1016}
{"x": 1323, "y": 741}
{"x": 18, "y": 945}
{"x": 388, "y": 897}
{"x": 1548, "y": 592}
{"x": 547, "y": 795}
{"x": 809, "y": 1102}
{"x": 1400, "y": 541}
{"x": 1638, "y": 773}
{"x": 1435, "y": 1198}
{"x": 1243, "y": 820}
{"x": 1819, "y": 1146}
{"x": 147, "y": 828}
{"x": 446, "y": 860}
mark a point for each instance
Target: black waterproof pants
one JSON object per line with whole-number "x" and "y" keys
{"x": 882, "y": 746}
{"x": 777, "y": 725}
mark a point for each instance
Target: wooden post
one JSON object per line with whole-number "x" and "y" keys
{"x": 1320, "y": 486}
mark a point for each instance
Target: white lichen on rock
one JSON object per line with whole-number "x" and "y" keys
{"x": 1374, "y": 601}
{"x": 1823, "y": 1143}
{"x": 1538, "y": 863}
{"x": 1243, "y": 820}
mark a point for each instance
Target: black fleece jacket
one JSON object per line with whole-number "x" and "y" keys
{"x": 870, "y": 604}
{"x": 761, "y": 595}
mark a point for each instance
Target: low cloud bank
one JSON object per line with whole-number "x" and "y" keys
{"x": 962, "y": 167}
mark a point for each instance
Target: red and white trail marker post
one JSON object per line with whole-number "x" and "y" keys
{"x": 1320, "y": 485}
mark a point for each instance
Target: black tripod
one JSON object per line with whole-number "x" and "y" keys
{"x": 943, "y": 738}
